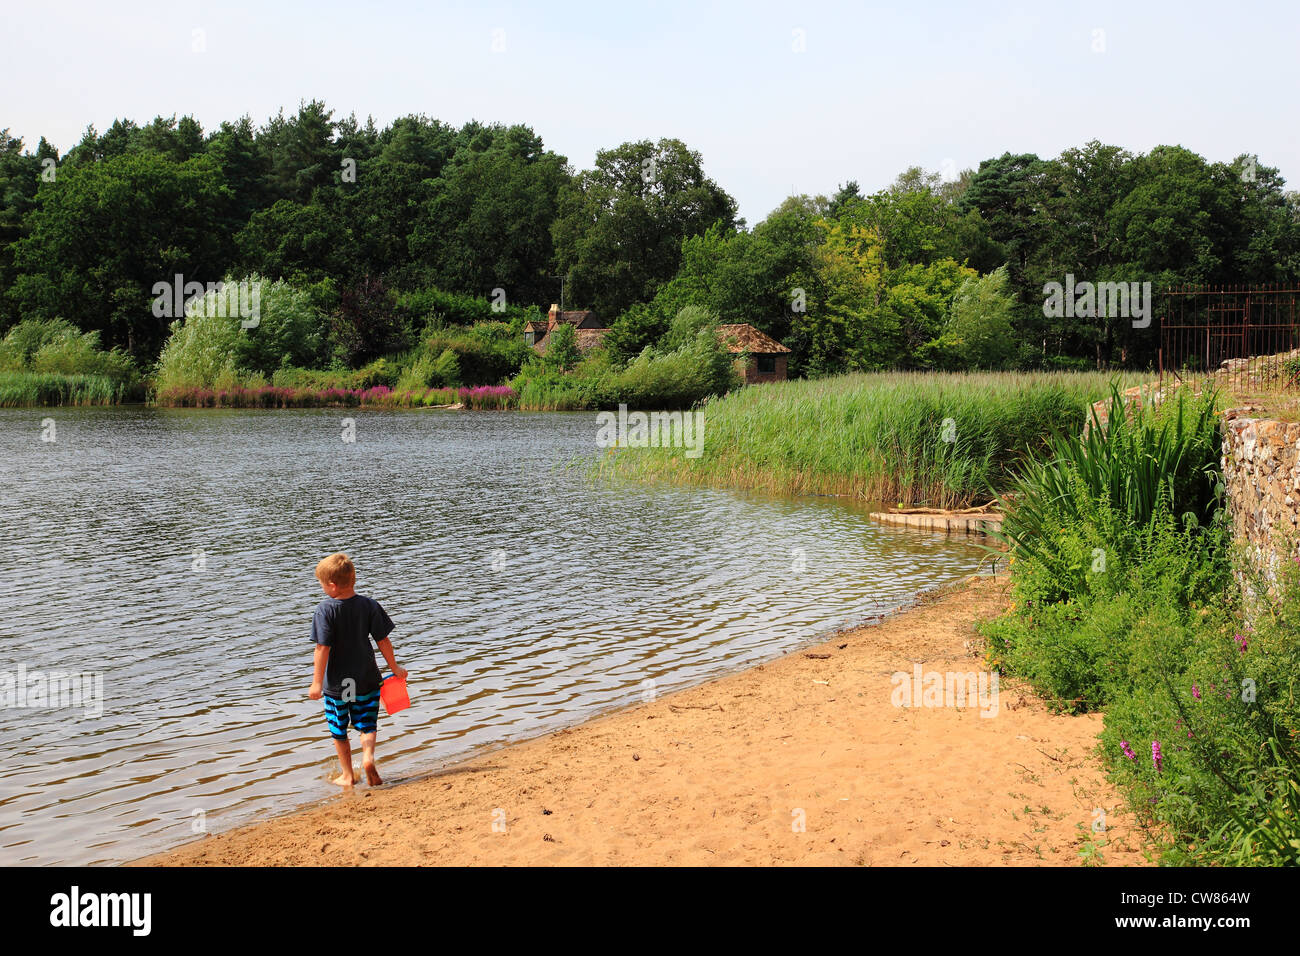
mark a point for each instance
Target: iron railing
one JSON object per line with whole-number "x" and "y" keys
{"x": 1243, "y": 335}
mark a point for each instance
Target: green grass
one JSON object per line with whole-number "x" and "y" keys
{"x": 19, "y": 389}
{"x": 943, "y": 440}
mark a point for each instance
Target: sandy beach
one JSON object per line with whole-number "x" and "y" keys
{"x": 801, "y": 761}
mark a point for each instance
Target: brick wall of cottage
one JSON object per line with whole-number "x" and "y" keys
{"x": 752, "y": 376}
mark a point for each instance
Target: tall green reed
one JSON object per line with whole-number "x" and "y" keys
{"x": 944, "y": 440}
{"x": 18, "y": 389}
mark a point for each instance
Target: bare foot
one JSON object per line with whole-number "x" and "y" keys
{"x": 372, "y": 775}
{"x": 343, "y": 780}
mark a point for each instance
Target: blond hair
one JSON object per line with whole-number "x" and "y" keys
{"x": 338, "y": 570}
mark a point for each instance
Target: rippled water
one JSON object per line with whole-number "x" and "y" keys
{"x": 172, "y": 552}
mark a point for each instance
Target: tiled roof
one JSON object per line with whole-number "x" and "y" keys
{"x": 584, "y": 339}
{"x": 576, "y": 319}
{"x": 743, "y": 337}
{"x": 590, "y": 338}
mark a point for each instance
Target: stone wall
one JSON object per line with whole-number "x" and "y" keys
{"x": 1261, "y": 471}
{"x": 1151, "y": 394}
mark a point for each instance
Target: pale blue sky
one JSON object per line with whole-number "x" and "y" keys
{"x": 878, "y": 88}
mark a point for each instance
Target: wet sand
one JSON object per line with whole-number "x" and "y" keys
{"x": 803, "y": 760}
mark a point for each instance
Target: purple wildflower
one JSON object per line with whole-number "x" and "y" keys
{"x": 1196, "y": 692}
{"x": 1128, "y": 752}
{"x": 1156, "y": 757}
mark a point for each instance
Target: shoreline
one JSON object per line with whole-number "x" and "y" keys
{"x": 727, "y": 772}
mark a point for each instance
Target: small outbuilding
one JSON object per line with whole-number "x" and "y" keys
{"x": 761, "y": 358}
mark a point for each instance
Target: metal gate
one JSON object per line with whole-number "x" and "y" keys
{"x": 1243, "y": 335}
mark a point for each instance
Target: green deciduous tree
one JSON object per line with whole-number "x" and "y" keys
{"x": 843, "y": 328}
{"x": 562, "y": 348}
{"x": 20, "y": 174}
{"x": 367, "y": 324}
{"x": 979, "y": 332}
{"x": 212, "y": 342}
{"x": 104, "y": 233}
{"x": 300, "y": 243}
{"x": 619, "y": 231}
{"x": 486, "y": 222}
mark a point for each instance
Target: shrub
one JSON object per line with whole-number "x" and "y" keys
{"x": 55, "y": 346}
{"x": 678, "y": 379}
{"x": 428, "y": 372}
{"x": 381, "y": 371}
{"x": 1113, "y": 481}
{"x": 1124, "y": 596}
{"x": 1203, "y": 739}
{"x": 207, "y": 345}
{"x": 1073, "y": 620}
{"x": 27, "y": 337}
{"x": 486, "y": 352}
{"x": 562, "y": 348}
{"x": 434, "y": 309}
{"x": 367, "y": 324}
{"x": 699, "y": 368}
{"x": 80, "y": 354}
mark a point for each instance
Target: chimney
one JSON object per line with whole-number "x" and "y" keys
{"x": 553, "y": 317}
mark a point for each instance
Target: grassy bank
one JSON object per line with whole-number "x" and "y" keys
{"x": 947, "y": 440}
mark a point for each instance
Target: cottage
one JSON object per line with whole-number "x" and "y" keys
{"x": 588, "y": 329}
{"x": 760, "y": 358}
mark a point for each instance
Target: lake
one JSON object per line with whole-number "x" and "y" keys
{"x": 169, "y": 554}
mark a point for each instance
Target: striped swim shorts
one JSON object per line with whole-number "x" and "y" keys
{"x": 362, "y": 712}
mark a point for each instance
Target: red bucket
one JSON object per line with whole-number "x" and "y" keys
{"x": 393, "y": 693}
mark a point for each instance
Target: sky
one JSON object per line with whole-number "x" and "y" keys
{"x": 778, "y": 98}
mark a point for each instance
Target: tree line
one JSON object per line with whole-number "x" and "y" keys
{"x": 927, "y": 273}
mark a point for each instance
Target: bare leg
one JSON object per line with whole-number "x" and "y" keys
{"x": 368, "y": 759}
{"x": 344, "y": 749}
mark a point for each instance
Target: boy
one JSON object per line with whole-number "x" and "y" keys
{"x": 345, "y": 674}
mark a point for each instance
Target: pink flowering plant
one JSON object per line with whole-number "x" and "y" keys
{"x": 1126, "y": 598}
{"x": 1216, "y": 708}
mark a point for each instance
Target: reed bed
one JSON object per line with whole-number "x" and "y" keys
{"x": 19, "y": 389}
{"x": 480, "y": 397}
{"x": 942, "y": 440}
{"x": 554, "y": 396}
{"x": 380, "y": 396}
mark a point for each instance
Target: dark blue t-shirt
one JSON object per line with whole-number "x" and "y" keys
{"x": 345, "y": 627}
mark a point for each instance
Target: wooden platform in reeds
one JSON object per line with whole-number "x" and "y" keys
{"x": 949, "y": 522}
